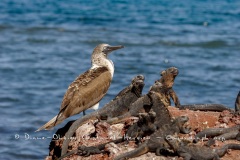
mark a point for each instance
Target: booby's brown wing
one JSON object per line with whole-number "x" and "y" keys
{"x": 87, "y": 90}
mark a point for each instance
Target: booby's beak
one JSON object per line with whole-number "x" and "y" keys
{"x": 109, "y": 49}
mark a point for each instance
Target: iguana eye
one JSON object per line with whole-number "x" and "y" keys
{"x": 162, "y": 73}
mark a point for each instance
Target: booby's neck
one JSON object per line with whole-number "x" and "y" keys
{"x": 101, "y": 61}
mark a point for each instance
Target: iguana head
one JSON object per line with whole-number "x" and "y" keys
{"x": 168, "y": 76}
{"x": 180, "y": 123}
{"x": 161, "y": 91}
{"x": 138, "y": 84}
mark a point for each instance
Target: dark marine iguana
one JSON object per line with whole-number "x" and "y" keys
{"x": 117, "y": 106}
{"x": 214, "y": 107}
{"x": 163, "y": 87}
{"x": 157, "y": 141}
{"x": 219, "y": 133}
{"x": 146, "y": 103}
{"x": 152, "y": 116}
{"x": 191, "y": 151}
{"x": 167, "y": 80}
{"x": 206, "y": 107}
{"x": 152, "y": 113}
{"x": 222, "y": 133}
{"x": 143, "y": 127}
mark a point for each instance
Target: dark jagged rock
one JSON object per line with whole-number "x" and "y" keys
{"x": 143, "y": 104}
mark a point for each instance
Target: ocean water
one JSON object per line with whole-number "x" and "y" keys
{"x": 46, "y": 44}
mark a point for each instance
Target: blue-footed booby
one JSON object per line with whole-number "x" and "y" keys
{"x": 88, "y": 88}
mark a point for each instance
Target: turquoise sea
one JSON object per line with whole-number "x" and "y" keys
{"x": 46, "y": 44}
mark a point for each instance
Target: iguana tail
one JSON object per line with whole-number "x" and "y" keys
{"x": 119, "y": 118}
{"x": 211, "y": 132}
{"x": 135, "y": 153}
{"x": 206, "y": 107}
{"x": 74, "y": 127}
{"x": 222, "y": 151}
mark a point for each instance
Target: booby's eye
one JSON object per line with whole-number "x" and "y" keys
{"x": 105, "y": 49}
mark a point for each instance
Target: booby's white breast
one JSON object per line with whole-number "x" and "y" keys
{"x": 108, "y": 63}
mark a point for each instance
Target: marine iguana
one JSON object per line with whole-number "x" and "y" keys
{"x": 214, "y": 107}
{"x": 143, "y": 127}
{"x": 219, "y": 133}
{"x": 157, "y": 141}
{"x": 222, "y": 133}
{"x": 151, "y": 110}
{"x": 139, "y": 106}
{"x": 163, "y": 87}
{"x": 167, "y": 79}
{"x": 117, "y": 106}
{"x": 192, "y": 151}
{"x": 206, "y": 107}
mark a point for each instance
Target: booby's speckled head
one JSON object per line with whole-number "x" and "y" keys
{"x": 105, "y": 49}
{"x": 99, "y": 56}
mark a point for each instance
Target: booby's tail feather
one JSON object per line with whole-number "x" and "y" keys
{"x": 53, "y": 122}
